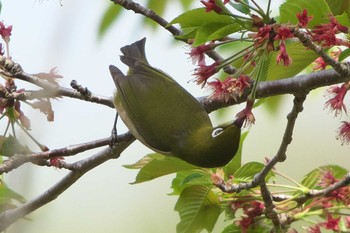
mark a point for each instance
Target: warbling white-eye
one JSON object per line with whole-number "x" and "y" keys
{"x": 165, "y": 117}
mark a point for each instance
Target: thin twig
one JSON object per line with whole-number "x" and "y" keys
{"x": 280, "y": 155}
{"x": 303, "y": 83}
{"x": 265, "y": 89}
{"x": 324, "y": 192}
{"x": 80, "y": 168}
{"x": 82, "y": 90}
{"x": 20, "y": 159}
{"x": 270, "y": 211}
{"x": 148, "y": 13}
{"x": 137, "y": 8}
{"x": 305, "y": 39}
{"x": 14, "y": 70}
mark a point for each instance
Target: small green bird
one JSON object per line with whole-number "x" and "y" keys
{"x": 165, "y": 117}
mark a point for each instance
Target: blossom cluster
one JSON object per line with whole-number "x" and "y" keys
{"x": 247, "y": 210}
{"x": 330, "y": 205}
{"x": 268, "y": 37}
{"x": 10, "y": 103}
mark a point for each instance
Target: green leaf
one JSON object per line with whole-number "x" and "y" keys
{"x": 156, "y": 165}
{"x": 343, "y": 19}
{"x": 313, "y": 178}
{"x": 205, "y": 31}
{"x": 236, "y": 162}
{"x": 206, "y": 25}
{"x": 254, "y": 228}
{"x": 247, "y": 172}
{"x": 241, "y": 7}
{"x": 186, "y": 4}
{"x": 199, "y": 208}
{"x": 232, "y": 228}
{"x": 7, "y": 196}
{"x": 339, "y": 7}
{"x": 262, "y": 66}
{"x": 317, "y": 8}
{"x": 10, "y": 146}
{"x": 338, "y": 171}
{"x": 188, "y": 178}
{"x": 345, "y": 54}
{"x": 301, "y": 58}
{"x": 198, "y": 17}
{"x": 224, "y": 30}
{"x": 109, "y": 17}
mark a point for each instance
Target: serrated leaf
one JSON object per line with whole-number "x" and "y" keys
{"x": 199, "y": 208}
{"x": 157, "y": 165}
{"x": 338, "y": 171}
{"x": 236, "y": 162}
{"x": 262, "y": 67}
{"x": 343, "y": 19}
{"x": 109, "y": 17}
{"x": 313, "y": 178}
{"x": 204, "y": 26}
{"x": 317, "y": 8}
{"x": 188, "y": 178}
{"x": 247, "y": 172}
{"x": 143, "y": 161}
{"x": 301, "y": 58}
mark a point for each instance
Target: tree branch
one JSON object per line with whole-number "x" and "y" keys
{"x": 270, "y": 211}
{"x": 324, "y": 192}
{"x": 148, "y": 13}
{"x": 138, "y": 9}
{"x": 20, "y": 159}
{"x": 301, "y": 83}
{"x": 298, "y": 84}
{"x": 13, "y": 70}
{"x": 279, "y": 157}
{"x": 342, "y": 68}
{"x": 80, "y": 168}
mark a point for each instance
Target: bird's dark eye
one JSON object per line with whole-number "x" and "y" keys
{"x": 217, "y": 132}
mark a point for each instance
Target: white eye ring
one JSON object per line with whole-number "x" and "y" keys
{"x": 217, "y": 132}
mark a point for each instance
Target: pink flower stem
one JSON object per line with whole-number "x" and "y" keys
{"x": 7, "y": 49}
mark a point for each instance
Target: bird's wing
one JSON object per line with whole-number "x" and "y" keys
{"x": 157, "y": 110}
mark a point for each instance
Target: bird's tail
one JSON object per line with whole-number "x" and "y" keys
{"x": 134, "y": 54}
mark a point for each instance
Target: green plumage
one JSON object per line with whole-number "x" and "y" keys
{"x": 165, "y": 117}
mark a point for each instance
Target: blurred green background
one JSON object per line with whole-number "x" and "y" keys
{"x": 45, "y": 35}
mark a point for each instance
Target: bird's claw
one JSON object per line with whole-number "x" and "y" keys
{"x": 114, "y": 139}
